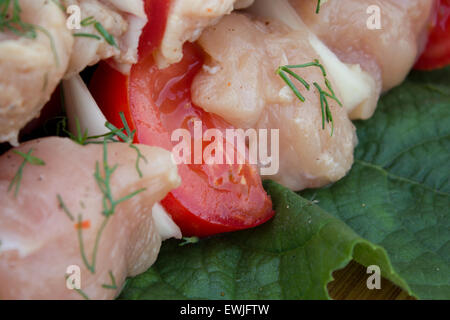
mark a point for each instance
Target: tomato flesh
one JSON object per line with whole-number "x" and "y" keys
{"x": 213, "y": 198}
{"x": 152, "y": 34}
{"x": 437, "y": 52}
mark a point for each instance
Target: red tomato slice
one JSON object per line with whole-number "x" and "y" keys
{"x": 212, "y": 198}
{"x": 437, "y": 52}
{"x": 157, "y": 12}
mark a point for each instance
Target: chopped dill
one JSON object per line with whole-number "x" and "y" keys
{"x": 105, "y": 34}
{"x": 87, "y": 21}
{"x": 100, "y": 29}
{"x": 113, "y": 284}
{"x": 285, "y": 71}
{"x": 115, "y": 134}
{"x": 90, "y": 266}
{"x": 127, "y": 137}
{"x": 318, "y": 6}
{"x": 82, "y": 293}
{"x": 109, "y": 207}
{"x": 103, "y": 182}
{"x": 189, "y": 240}
{"x": 87, "y": 35}
{"x": 138, "y": 159}
{"x": 10, "y": 20}
{"x": 326, "y": 112}
{"x": 80, "y": 137}
{"x": 52, "y": 42}
{"x": 102, "y": 175}
{"x": 27, "y": 158}
{"x": 63, "y": 206}
{"x": 79, "y": 291}
{"x": 282, "y": 73}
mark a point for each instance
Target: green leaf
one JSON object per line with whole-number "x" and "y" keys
{"x": 291, "y": 257}
{"x": 396, "y": 196}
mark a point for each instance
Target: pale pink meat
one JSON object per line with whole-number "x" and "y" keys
{"x": 33, "y": 67}
{"x": 239, "y": 83}
{"x": 123, "y": 20}
{"x": 186, "y": 21}
{"x": 388, "y": 53}
{"x": 39, "y": 241}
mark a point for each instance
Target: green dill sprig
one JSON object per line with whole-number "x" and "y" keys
{"x": 100, "y": 29}
{"x": 102, "y": 177}
{"x": 314, "y": 63}
{"x": 285, "y": 71}
{"x": 113, "y": 284}
{"x": 318, "y": 6}
{"x": 115, "y": 134}
{"x": 10, "y": 20}
{"x": 103, "y": 182}
{"x": 326, "y": 112}
{"x": 63, "y": 206}
{"x": 52, "y": 42}
{"x": 109, "y": 206}
{"x": 90, "y": 265}
{"x": 79, "y": 291}
{"x": 127, "y": 137}
{"x": 87, "y": 35}
{"x": 189, "y": 240}
{"x": 139, "y": 157}
{"x": 88, "y": 21}
{"x": 81, "y": 137}
{"x": 281, "y": 71}
{"x": 82, "y": 294}
{"x": 105, "y": 34}
{"x": 27, "y": 158}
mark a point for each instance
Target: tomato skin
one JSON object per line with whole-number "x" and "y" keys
{"x": 212, "y": 198}
{"x": 189, "y": 223}
{"x": 105, "y": 77}
{"x": 115, "y": 95}
{"x": 437, "y": 52}
{"x": 160, "y": 102}
{"x": 152, "y": 34}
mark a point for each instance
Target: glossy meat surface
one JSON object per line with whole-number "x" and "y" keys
{"x": 239, "y": 83}
{"x": 38, "y": 239}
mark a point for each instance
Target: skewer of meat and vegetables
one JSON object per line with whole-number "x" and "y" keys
{"x": 234, "y": 149}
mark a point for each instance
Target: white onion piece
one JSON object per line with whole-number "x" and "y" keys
{"x": 81, "y": 105}
{"x": 166, "y": 227}
{"x": 356, "y": 86}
